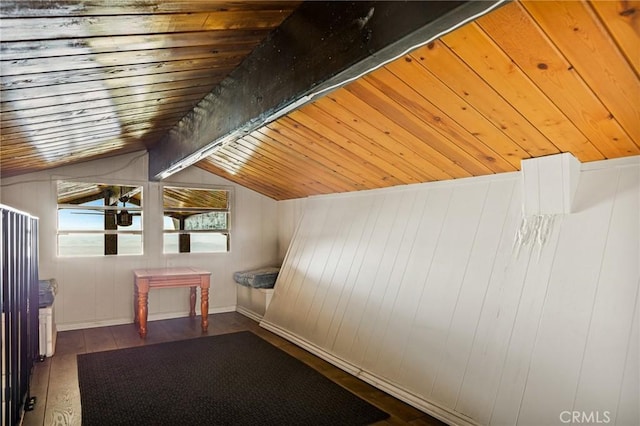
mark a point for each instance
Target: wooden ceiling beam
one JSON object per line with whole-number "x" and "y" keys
{"x": 320, "y": 47}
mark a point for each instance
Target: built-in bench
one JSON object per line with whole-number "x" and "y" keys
{"x": 254, "y": 290}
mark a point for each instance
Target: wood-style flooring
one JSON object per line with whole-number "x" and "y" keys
{"x": 55, "y": 381}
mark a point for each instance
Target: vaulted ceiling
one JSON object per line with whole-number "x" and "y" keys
{"x": 82, "y": 80}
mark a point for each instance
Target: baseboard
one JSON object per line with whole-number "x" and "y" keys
{"x": 151, "y": 317}
{"x": 248, "y": 313}
{"x": 441, "y": 413}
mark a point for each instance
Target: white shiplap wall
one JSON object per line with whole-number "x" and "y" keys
{"x": 419, "y": 290}
{"x": 98, "y": 290}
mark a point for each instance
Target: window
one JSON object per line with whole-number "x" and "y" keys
{"x": 99, "y": 219}
{"x": 196, "y": 220}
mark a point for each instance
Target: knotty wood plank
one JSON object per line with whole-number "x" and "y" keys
{"x": 379, "y": 119}
{"x": 11, "y": 123}
{"x": 309, "y": 165}
{"x": 291, "y": 172}
{"x": 96, "y": 91}
{"x": 412, "y": 111}
{"x": 94, "y": 45}
{"x": 345, "y": 161}
{"x": 479, "y": 52}
{"x": 621, "y": 20}
{"x": 86, "y": 60}
{"x": 450, "y": 114}
{"x": 438, "y": 59}
{"x": 261, "y": 166}
{"x": 576, "y": 30}
{"x": 131, "y": 7}
{"x": 131, "y": 101}
{"x": 363, "y": 152}
{"x": 339, "y": 131}
{"x": 38, "y": 85}
{"x": 211, "y": 165}
{"x": 56, "y": 27}
{"x": 346, "y": 167}
{"x": 513, "y": 29}
{"x": 42, "y": 135}
{"x": 416, "y": 163}
{"x": 63, "y": 404}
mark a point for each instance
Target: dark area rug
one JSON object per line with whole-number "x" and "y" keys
{"x": 231, "y": 379}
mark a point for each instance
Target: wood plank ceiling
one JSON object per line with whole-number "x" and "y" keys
{"x": 83, "y": 79}
{"x": 529, "y": 79}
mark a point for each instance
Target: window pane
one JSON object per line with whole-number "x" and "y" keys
{"x": 171, "y": 224}
{"x": 136, "y": 221}
{"x": 175, "y": 197}
{"x": 80, "y": 220}
{"x": 171, "y": 243}
{"x": 129, "y": 243}
{"x": 208, "y": 243}
{"x": 81, "y": 245}
{"x": 204, "y": 221}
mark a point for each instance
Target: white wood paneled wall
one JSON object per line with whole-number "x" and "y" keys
{"x": 418, "y": 290}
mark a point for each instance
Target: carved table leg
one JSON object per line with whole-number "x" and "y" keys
{"x": 135, "y": 303}
{"x": 192, "y": 302}
{"x": 204, "y": 307}
{"x": 142, "y": 313}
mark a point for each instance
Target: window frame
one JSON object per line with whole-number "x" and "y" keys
{"x": 134, "y": 210}
{"x": 201, "y": 187}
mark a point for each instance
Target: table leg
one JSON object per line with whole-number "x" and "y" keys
{"x": 142, "y": 312}
{"x": 192, "y": 302}
{"x": 135, "y": 303}
{"x": 204, "y": 307}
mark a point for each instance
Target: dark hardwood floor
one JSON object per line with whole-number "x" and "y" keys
{"x": 55, "y": 381}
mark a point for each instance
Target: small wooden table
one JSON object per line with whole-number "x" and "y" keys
{"x": 166, "y": 278}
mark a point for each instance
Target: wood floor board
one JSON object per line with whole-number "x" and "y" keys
{"x": 55, "y": 381}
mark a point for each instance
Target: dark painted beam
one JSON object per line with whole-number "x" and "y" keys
{"x": 320, "y": 47}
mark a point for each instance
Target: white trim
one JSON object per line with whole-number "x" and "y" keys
{"x": 123, "y": 321}
{"x": 614, "y": 162}
{"x": 442, "y": 413}
{"x": 471, "y": 180}
{"x": 248, "y": 313}
{"x": 14, "y": 210}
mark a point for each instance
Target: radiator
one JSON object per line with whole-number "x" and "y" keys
{"x": 19, "y": 301}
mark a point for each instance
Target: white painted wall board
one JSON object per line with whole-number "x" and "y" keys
{"x": 341, "y": 224}
{"x": 611, "y": 317}
{"x": 513, "y": 335}
{"x": 555, "y": 363}
{"x": 433, "y": 318}
{"x": 627, "y": 411}
{"x": 340, "y": 323}
{"x": 368, "y": 330}
{"x": 397, "y": 335}
{"x": 477, "y": 276}
{"x": 325, "y": 238}
{"x": 402, "y": 255}
{"x": 348, "y": 342}
{"x": 356, "y": 216}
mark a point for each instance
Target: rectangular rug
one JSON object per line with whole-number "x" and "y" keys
{"x": 230, "y": 379}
